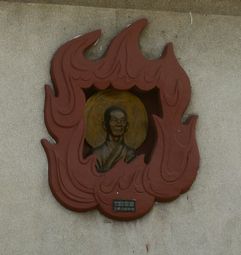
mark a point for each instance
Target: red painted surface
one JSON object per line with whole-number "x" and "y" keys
{"x": 173, "y": 163}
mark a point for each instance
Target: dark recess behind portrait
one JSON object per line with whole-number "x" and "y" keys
{"x": 151, "y": 101}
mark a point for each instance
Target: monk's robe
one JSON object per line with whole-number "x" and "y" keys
{"x": 110, "y": 152}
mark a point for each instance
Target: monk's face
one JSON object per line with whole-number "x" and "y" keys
{"x": 117, "y": 123}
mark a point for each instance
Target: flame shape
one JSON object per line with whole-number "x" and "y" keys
{"x": 175, "y": 158}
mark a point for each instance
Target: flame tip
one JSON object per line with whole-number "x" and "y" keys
{"x": 168, "y": 50}
{"x": 142, "y": 20}
{"x": 141, "y": 23}
{"x": 169, "y": 46}
{"x": 44, "y": 143}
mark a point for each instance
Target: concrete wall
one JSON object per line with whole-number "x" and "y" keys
{"x": 205, "y": 220}
{"x": 225, "y": 7}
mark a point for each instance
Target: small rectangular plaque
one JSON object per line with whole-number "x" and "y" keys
{"x": 124, "y": 205}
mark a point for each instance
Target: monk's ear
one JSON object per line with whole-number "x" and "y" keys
{"x": 127, "y": 125}
{"x": 103, "y": 125}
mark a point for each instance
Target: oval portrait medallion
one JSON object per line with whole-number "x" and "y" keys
{"x": 115, "y": 126}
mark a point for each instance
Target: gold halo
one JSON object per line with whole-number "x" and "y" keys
{"x": 97, "y": 104}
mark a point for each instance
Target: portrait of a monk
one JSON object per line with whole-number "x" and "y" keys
{"x": 114, "y": 148}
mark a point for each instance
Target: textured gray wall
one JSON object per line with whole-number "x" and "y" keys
{"x": 206, "y": 220}
{"x": 225, "y": 7}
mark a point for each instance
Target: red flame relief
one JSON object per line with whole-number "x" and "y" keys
{"x": 174, "y": 160}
